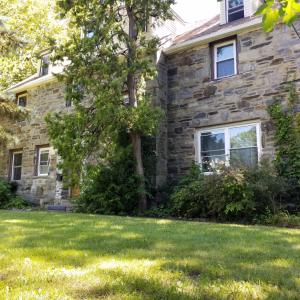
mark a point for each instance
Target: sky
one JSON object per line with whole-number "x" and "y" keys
{"x": 195, "y": 10}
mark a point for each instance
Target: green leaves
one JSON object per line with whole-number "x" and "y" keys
{"x": 273, "y": 12}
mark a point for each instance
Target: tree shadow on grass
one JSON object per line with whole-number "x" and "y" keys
{"x": 195, "y": 252}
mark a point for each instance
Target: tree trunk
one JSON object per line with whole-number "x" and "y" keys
{"x": 137, "y": 153}
{"x": 131, "y": 86}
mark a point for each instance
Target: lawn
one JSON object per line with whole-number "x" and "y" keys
{"x": 74, "y": 256}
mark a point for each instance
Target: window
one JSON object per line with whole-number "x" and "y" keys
{"x": 44, "y": 65}
{"x": 235, "y": 10}
{"x": 22, "y": 100}
{"x": 225, "y": 59}
{"x": 238, "y": 145}
{"x": 16, "y": 170}
{"x": 68, "y": 102}
{"x": 43, "y": 161}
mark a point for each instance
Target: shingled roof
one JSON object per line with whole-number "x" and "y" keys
{"x": 208, "y": 27}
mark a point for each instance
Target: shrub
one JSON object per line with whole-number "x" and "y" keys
{"x": 231, "y": 194}
{"x": 110, "y": 188}
{"x": 188, "y": 199}
{"x": 8, "y": 197}
{"x": 5, "y": 193}
{"x": 283, "y": 219}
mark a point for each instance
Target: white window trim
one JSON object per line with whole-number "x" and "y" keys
{"x": 227, "y": 10}
{"x": 226, "y": 129}
{"x": 39, "y": 159}
{"x": 19, "y": 96}
{"x": 216, "y": 46}
{"x": 13, "y": 166}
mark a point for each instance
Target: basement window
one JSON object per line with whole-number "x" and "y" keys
{"x": 235, "y": 10}
{"x": 236, "y": 145}
{"x": 225, "y": 59}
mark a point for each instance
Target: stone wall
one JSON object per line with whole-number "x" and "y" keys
{"x": 31, "y": 134}
{"x": 266, "y": 63}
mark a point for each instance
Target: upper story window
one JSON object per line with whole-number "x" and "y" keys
{"x": 22, "y": 99}
{"x": 45, "y": 62}
{"x": 235, "y": 10}
{"x": 238, "y": 145}
{"x": 16, "y": 165}
{"x": 225, "y": 59}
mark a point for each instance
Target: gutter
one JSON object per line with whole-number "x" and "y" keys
{"x": 253, "y": 24}
{"x": 19, "y": 87}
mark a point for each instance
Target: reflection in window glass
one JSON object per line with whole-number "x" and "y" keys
{"x": 212, "y": 149}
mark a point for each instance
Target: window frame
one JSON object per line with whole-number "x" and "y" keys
{"x": 40, "y": 149}
{"x": 13, "y": 166}
{"x": 226, "y": 130}
{"x": 215, "y": 48}
{"x": 227, "y": 11}
{"x": 42, "y": 65}
{"x": 22, "y": 95}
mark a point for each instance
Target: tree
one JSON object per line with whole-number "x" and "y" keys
{"x": 276, "y": 11}
{"x": 26, "y": 28}
{"x": 8, "y": 111}
{"x": 112, "y": 58}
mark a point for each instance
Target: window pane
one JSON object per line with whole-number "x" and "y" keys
{"x": 225, "y": 52}
{"x": 17, "y": 173}
{"x": 212, "y": 149}
{"x": 212, "y": 142}
{"x": 236, "y": 15}
{"x": 212, "y": 162}
{"x": 247, "y": 157}
{"x": 17, "y": 159}
{"x": 243, "y": 137}
{"x": 235, "y": 3}
{"x": 22, "y": 101}
{"x": 43, "y": 170}
{"x": 225, "y": 68}
{"x": 44, "y": 157}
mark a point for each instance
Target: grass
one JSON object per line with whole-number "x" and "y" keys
{"x": 74, "y": 256}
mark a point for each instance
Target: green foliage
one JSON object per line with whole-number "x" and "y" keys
{"x": 29, "y": 26}
{"x": 110, "y": 188}
{"x": 287, "y": 137}
{"x": 110, "y": 55}
{"x": 8, "y": 198}
{"x": 283, "y": 219}
{"x": 9, "y": 111}
{"x": 274, "y": 12}
{"x": 230, "y": 195}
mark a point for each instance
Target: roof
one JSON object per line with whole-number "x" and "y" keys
{"x": 30, "y": 82}
{"x": 211, "y": 30}
{"x": 209, "y": 26}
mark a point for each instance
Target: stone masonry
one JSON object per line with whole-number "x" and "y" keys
{"x": 31, "y": 134}
{"x": 267, "y": 62}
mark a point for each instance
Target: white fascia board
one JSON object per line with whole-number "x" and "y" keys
{"x": 222, "y": 33}
{"x": 31, "y": 84}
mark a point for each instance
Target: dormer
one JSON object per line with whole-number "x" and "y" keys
{"x": 232, "y": 10}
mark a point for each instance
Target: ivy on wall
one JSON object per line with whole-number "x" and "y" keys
{"x": 286, "y": 121}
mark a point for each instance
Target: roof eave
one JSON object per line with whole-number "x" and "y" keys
{"x": 252, "y": 24}
{"x": 31, "y": 84}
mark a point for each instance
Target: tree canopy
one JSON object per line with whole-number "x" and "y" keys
{"x": 26, "y": 28}
{"x": 112, "y": 59}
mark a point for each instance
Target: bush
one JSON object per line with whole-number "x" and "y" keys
{"x": 283, "y": 219}
{"x": 8, "y": 197}
{"x": 110, "y": 188}
{"x": 230, "y": 195}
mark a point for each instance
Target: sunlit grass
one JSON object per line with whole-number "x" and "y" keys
{"x": 73, "y": 256}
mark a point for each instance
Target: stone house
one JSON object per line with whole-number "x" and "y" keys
{"x": 215, "y": 83}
